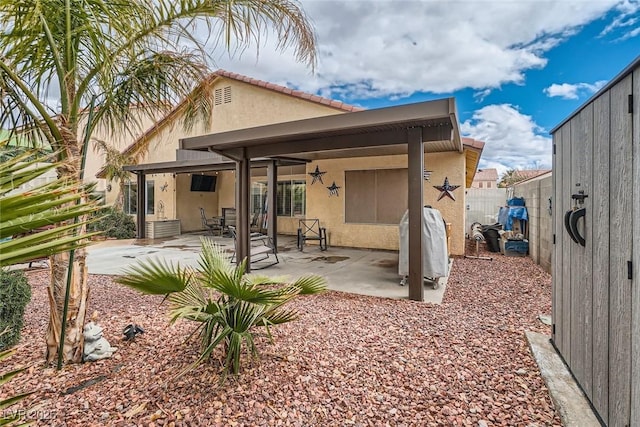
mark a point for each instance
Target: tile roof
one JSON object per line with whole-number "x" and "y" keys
{"x": 473, "y": 143}
{"x": 521, "y": 175}
{"x": 486, "y": 175}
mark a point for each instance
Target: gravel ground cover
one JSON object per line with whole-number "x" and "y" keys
{"x": 348, "y": 360}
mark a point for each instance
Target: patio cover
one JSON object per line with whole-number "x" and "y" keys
{"x": 413, "y": 129}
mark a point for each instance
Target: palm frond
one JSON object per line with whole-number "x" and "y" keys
{"x": 311, "y": 284}
{"x": 15, "y": 251}
{"x": 192, "y": 303}
{"x": 213, "y": 258}
{"x": 156, "y": 277}
{"x": 279, "y": 316}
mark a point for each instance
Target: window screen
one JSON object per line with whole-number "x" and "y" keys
{"x": 375, "y": 196}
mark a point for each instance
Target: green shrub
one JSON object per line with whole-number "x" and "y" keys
{"x": 116, "y": 224}
{"x": 227, "y": 304}
{"x": 15, "y": 293}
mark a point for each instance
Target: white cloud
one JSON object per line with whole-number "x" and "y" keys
{"x": 573, "y": 91}
{"x": 512, "y": 139}
{"x": 627, "y": 19}
{"x": 395, "y": 48}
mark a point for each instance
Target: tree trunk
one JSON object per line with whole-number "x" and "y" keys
{"x": 77, "y": 308}
{"x": 79, "y": 286}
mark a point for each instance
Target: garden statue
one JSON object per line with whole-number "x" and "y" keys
{"x": 95, "y": 345}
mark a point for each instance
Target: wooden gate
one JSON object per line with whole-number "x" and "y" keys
{"x": 596, "y": 304}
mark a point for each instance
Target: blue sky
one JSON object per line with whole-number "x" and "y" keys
{"x": 516, "y": 68}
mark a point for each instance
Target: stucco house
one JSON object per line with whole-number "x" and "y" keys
{"x": 485, "y": 178}
{"x": 360, "y": 199}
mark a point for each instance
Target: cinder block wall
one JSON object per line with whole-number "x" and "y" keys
{"x": 536, "y": 193}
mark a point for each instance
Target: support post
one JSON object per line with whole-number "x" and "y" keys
{"x": 272, "y": 188}
{"x": 415, "y": 154}
{"x": 141, "y": 208}
{"x": 243, "y": 185}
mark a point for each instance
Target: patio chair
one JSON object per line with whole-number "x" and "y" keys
{"x": 215, "y": 224}
{"x": 228, "y": 219}
{"x": 256, "y": 225}
{"x": 309, "y": 229}
{"x": 262, "y": 249}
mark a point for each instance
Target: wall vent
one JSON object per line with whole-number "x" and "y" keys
{"x": 227, "y": 94}
{"x": 222, "y": 96}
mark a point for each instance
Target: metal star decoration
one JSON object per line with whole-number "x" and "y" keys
{"x": 317, "y": 176}
{"x": 333, "y": 190}
{"x": 446, "y": 189}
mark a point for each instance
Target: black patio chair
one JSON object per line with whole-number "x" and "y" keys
{"x": 215, "y": 224}
{"x": 310, "y": 229}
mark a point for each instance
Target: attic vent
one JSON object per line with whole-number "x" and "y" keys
{"x": 227, "y": 94}
{"x": 222, "y": 96}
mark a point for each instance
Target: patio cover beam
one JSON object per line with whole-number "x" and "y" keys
{"x": 141, "y": 208}
{"x": 438, "y": 132}
{"x": 205, "y": 165}
{"x": 272, "y": 188}
{"x": 243, "y": 186}
{"x": 415, "y": 176}
{"x": 424, "y": 114}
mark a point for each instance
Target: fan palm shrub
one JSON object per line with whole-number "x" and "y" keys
{"x": 7, "y": 417}
{"x": 228, "y": 305}
{"x": 40, "y": 208}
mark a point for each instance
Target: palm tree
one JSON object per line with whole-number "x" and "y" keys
{"x": 23, "y": 213}
{"x": 103, "y": 57}
{"x": 509, "y": 178}
{"x": 227, "y": 304}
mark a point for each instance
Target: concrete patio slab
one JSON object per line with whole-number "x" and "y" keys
{"x": 359, "y": 271}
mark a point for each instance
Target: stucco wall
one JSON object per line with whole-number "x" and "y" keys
{"x": 330, "y": 210}
{"x": 95, "y": 159}
{"x": 536, "y": 193}
{"x": 254, "y": 106}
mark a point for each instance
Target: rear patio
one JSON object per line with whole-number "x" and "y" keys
{"x": 348, "y": 360}
{"x": 359, "y": 271}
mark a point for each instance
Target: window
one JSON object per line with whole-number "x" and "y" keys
{"x": 130, "y": 205}
{"x": 376, "y": 196}
{"x": 151, "y": 197}
{"x": 480, "y": 184}
{"x": 258, "y": 197}
{"x": 290, "y": 197}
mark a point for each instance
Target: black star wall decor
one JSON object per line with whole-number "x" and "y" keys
{"x": 333, "y": 190}
{"x": 446, "y": 189}
{"x": 317, "y": 175}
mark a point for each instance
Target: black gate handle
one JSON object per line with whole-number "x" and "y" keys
{"x": 573, "y": 224}
{"x": 567, "y": 225}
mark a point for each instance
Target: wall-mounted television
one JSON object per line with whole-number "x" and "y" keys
{"x": 203, "y": 182}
